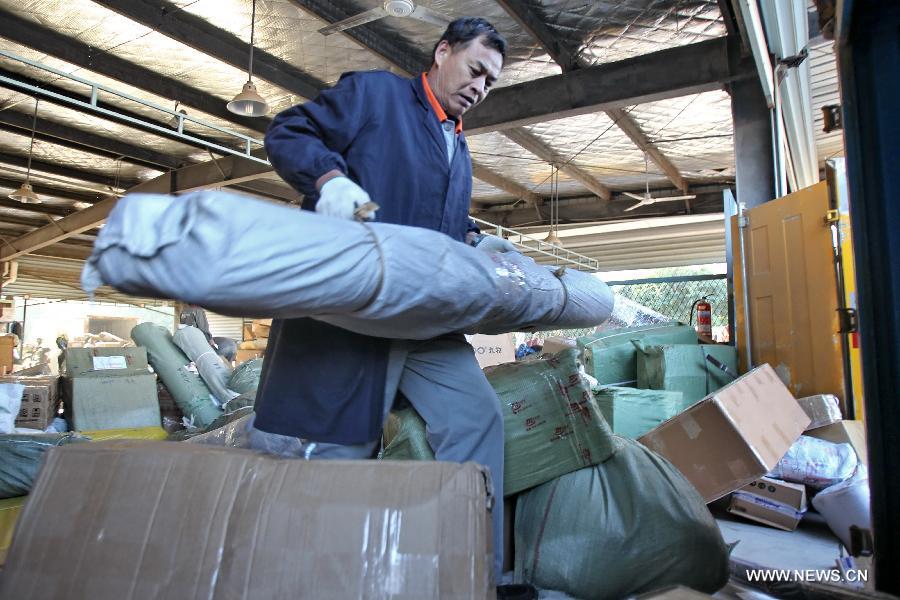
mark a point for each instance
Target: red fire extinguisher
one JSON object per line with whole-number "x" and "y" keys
{"x": 704, "y": 317}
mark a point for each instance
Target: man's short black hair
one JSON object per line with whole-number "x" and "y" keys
{"x": 466, "y": 29}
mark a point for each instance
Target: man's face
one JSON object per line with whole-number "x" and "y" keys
{"x": 464, "y": 75}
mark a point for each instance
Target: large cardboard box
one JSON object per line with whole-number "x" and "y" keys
{"x": 244, "y": 355}
{"x": 734, "y": 436}
{"x": 7, "y": 345}
{"x": 144, "y": 520}
{"x": 845, "y": 432}
{"x": 102, "y": 362}
{"x": 771, "y": 502}
{"x": 113, "y": 402}
{"x": 40, "y": 400}
{"x": 493, "y": 350}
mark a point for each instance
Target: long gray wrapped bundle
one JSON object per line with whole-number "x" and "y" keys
{"x": 212, "y": 370}
{"x": 188, "y": 390}
{"x": 244, "y": 257}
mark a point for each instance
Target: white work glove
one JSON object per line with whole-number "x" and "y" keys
{"x": 492, "y": 243}
{"x": 340, "y": 197}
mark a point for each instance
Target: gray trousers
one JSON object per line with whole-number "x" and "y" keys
{"x": 443, "y": 382}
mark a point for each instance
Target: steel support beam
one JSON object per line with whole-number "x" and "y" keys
{"x": 87, "y": 141}
{"x": 690, "y": 69}
{"x": 565, "y": 57}
{"x": 588, "y": 210}
{"x": 498, "y": 181}
{"x": 40, "y": 209}
{"x": 409, "y": 60}
{"x": 68, "y": 172}
{"x": 534, "y": 145}
{"x": 194, "y": 32}
{"x": 52, "y": 192}
{"x": 568, "y": 59}
{"x": 30, "y": 34}
{"x": 373, "y": 36}
{"x": 868, "y": 67}
{"x": 753, "y": 145}
{"x": 200, "y": 176}
{"x": 634, "y": 132}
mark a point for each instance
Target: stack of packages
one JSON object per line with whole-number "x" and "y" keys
{"x": 646, "y": 375}
{"x": 103, "y": 339}
{"x": 596, "y": 515}
{"x": 256, "y": 338}
{"x": 828, "y": 462}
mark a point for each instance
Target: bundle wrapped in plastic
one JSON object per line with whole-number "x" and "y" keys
{"x": 245, "y": 377}
{"x": 816, "y": 463}
{"x": 21, "y": 457}
{"x": 211, "y": 368}
{"x": 628, "y": 525}
{"x": 188, "y": 390}
{"x": 244, "y": 257}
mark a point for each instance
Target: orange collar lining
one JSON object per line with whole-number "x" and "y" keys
{"x": 436, "y": 106}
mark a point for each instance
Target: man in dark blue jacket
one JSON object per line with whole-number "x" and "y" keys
{"x": 376, "y": 137}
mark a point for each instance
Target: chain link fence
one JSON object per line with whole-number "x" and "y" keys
{"x": 674, "y": 296}
{"x": 669, "y": 296}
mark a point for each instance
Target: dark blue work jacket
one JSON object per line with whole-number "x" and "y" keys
{"x": 321, "y": 382}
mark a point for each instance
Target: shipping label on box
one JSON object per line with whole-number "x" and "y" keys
{"x": 734, "y": 436}
{"x": 772, "y": 502}
{"x": 493, "y": 350}
{"x": 40, "y": 400}
{"x": 100, "y": 362}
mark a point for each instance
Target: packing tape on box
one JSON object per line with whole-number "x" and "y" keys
{"x": 690, "y": 426}
{"x": 740, "y": 470}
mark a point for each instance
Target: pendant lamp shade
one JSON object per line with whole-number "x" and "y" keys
{"x": 25, "y": 194}
{"x": 248, "y": 102}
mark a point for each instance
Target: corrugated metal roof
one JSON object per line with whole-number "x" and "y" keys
{"x": 647, "y": 243}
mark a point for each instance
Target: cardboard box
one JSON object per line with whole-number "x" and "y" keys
{"x": 731, "y": 437}
{"x": 113, "y": 402}
{"x": 245, "y": 355}
{"x": 823, "y": 409}
{"x": 772, "y": 502}
{"x": 7, "y": 345}
{"x": 493, "y": 350}
{"x": 845, "y": 432}
{"x": 163, "y": 520}
{"x": 40, "y": 400}
{"x": 102, "y": 362}
{"x": 552, "y": 344}
{"x": 260, "y": 328}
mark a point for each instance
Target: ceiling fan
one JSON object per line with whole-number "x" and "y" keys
{"x": 645, "y": 199}
{"x": 390, "y": 8}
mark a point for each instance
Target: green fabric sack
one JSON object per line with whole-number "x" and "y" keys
{"x": 551, "y": 422}
{"x": 632, "y": 412}
{"x": 191, "y": 395}
{"x": 684, "y": 368}
{"x": 611, "y": 358}
{"x": 21, "y": 457}
{"x": 629, "y": 525}
{"x": 404, "y": 437}
{"x": 245, "y": 378}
